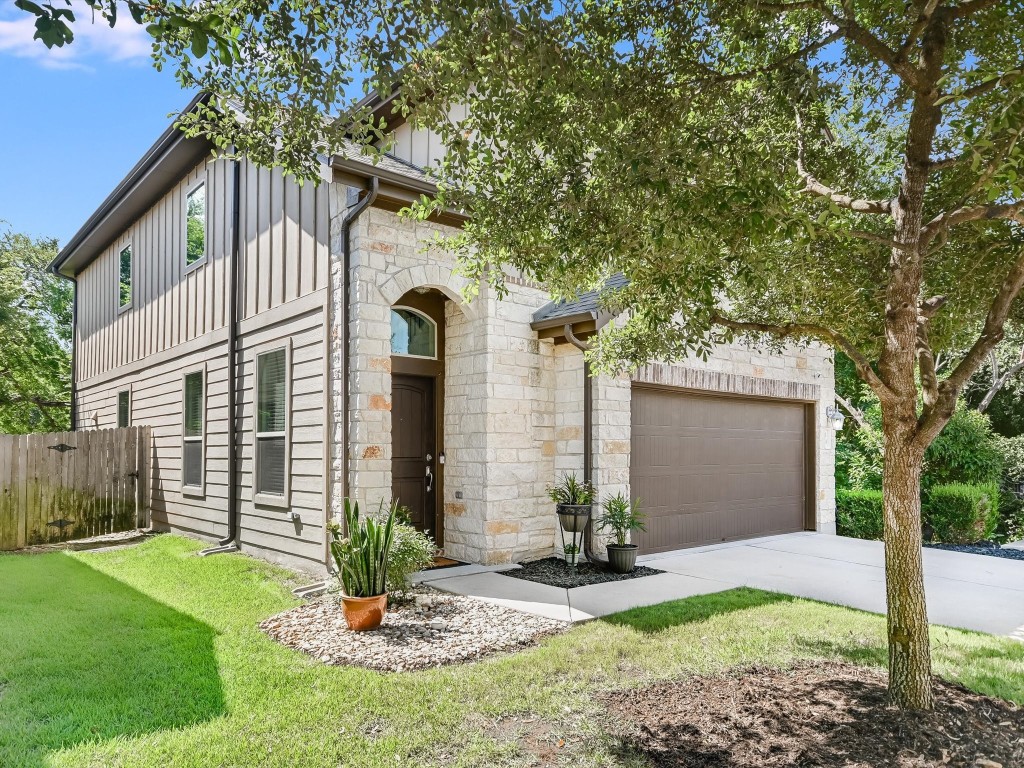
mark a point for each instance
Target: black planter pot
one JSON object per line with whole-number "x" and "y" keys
{"x": 622, "y": 559}
{"x": 573, "y": 517}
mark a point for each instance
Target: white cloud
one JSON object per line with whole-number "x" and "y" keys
{"x": 94, "y": 41}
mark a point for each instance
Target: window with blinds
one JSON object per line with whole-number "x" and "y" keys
{"x": 192, "y": 460}
{"x": 124, "y": 408}
{"x": 271, "y": 422}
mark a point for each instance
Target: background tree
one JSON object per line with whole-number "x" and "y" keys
{"x": 843, "y": 171}
{"x": 35, "y": 337}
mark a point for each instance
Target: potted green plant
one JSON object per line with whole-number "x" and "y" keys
{"x": 362, "y": 560}
{"x": 572, "y": 554}
{"x": 574, "y": 500}
{"x": 620, "y": 517}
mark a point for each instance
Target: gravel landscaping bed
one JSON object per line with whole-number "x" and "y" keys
{"x": 827, "y": 715}
{"x": 431, "y": 630}
{"x": 555, "y": 573}
{"x": 991, "y": 550}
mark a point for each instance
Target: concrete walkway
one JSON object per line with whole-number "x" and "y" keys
{"x": 969, "y": 591}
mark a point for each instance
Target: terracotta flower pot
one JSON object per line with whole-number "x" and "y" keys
{"x": 622, "y": 559}
{"x": 363, "y": 613}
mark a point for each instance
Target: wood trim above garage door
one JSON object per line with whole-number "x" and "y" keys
{"x": 716, "y": 467}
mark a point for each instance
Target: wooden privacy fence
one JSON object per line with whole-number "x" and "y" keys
{"x": 71, "y": 485}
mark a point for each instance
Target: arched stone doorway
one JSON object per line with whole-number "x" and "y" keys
{"x": 417, "y": 407}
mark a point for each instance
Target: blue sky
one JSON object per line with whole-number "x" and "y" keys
{"x": 73, "y": 122}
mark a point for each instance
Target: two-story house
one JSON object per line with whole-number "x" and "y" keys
{"x": 291, "y": 346}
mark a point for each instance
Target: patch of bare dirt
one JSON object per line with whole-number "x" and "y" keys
{"x": 812, "y": 715}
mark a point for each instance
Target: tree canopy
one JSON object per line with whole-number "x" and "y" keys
{"x": 844, "y": 171}
{"x": 35, "y": 337}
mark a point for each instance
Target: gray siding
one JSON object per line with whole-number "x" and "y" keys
{"x": 178, "y": 323}
{"x": 284, "y": 246}
{"x": 420, "y": 146}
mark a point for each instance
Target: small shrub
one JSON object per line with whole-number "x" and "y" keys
{"x": 963, "y": 514}
{"x": 966, "y": 451}
{"x": 1011, "y": 518}
{"x": 411, "y": 551}
{"x": 859, "y": 514}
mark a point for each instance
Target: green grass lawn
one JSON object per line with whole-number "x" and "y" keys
{"x": 151, "y": 656}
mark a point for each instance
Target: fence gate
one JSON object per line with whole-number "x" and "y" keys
{"x": 71, "y": 485}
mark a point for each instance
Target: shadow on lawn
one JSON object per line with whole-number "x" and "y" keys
{"x": 84, "y": 658}
{"x": 662, "y": 616}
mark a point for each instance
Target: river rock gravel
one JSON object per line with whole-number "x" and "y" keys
{"x": 431, "y": 629}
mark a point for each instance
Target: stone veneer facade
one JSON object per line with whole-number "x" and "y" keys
{"x": 513, "y": 403}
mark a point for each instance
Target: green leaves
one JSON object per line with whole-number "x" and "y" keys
{"x": 362, "y": 555}
{"x": 35, "y": 336}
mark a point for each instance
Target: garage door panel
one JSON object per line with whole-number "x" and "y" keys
{"x": 709, "y": 469}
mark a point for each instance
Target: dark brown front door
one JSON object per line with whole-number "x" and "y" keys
{"x": 414, "y": 448}
{"x": 711, "y": 469}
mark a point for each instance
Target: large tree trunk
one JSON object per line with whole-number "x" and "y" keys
{"x": 910, "y": 666}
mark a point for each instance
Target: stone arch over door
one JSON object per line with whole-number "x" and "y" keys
{"x": 435, "y": 276}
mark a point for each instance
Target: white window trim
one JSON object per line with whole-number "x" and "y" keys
{"x": 429, "y": 319}
{"x": 197, "y": 491}
{"x": 131, "y": 288}
{"x": 268, "y": 499}
{"x": 200, "y": 182}
{"x": 117, "y": 406}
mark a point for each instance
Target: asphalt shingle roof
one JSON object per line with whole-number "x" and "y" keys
{"x": 588, "y": 302}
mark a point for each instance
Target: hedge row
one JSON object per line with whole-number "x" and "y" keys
{"x": 956, "y": 513}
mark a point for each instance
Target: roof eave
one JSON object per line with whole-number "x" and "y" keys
{"x": 170, "y": 155}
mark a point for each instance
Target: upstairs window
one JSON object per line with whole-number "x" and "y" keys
{"x": 413, "y": 334}
{"x": 193, "y": 456}
{"x": 124, "y": 408}
{"x": 125, "y": 277}
{"x": 195, "y": 225}
{"x": 272, "y": 426}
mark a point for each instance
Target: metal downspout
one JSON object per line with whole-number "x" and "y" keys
{"x": 346, "y": 312}
{"x": 588, "y": 441}
{"x": 73, "y": 410}
{"x": 230, "y": 542}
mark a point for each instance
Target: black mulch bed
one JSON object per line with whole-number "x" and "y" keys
{"x": 828, "y": 715}
{"x": 982, "y": 548}
{"x": 554, "y": 572}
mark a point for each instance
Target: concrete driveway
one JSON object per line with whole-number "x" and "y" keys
{"x": 968, "y": 591}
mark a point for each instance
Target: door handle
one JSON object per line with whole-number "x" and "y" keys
{"x": 430, "y": 479}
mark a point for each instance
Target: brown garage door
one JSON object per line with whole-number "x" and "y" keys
{"x": 709, "y": 469}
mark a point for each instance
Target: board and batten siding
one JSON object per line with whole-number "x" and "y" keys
{"x": 177, "y": 323}
{"x": 284, "y": 255}
{"x": 420, "y": 146}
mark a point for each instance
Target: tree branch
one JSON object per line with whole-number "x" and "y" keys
{"x": 991, "y": 334}
{"x": 948, "y": 219}
{"x": 810, "y": 330}
{"x": 873, "y": 45}
{"x": 856, "y": 413}
{"x": 720, "y": 77}
{"x": 915, "y": 31}
{"x": 970, "y": 7}
{"x": 871, "y": 237}
{"x": 999, "y": 380}
{"x": 814, "y": 187}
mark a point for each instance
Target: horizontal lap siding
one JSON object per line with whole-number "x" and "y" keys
{"x": 157, "y": 401}
{"x": 270, "y": 531}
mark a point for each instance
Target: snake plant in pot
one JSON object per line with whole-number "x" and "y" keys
{"x": 620, "y": 516}
{"x": 362, "y": 560}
